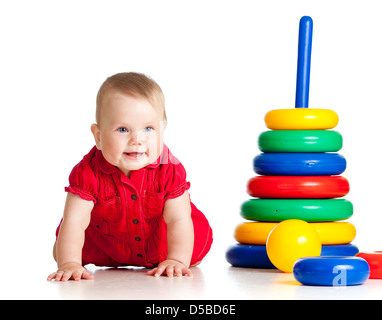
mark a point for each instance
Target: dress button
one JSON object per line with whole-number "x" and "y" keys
{"x": 139, "y": 255}
{"x": 137, "y": 239}
{"x": 135, "y": 221}
{"x": 134, "y": 196}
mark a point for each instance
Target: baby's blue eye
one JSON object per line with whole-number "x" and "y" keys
{"x": 149, "y": 129}
{"x": 122, "y": 130}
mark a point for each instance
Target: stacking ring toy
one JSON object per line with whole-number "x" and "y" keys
{"x": 299, "y": 164}
{"x": 374, "y": 259}
{"x": 331, "y": 271}
{"x": 301, "y": 119}
{"x": 300, "y": 141}
{"x": 330, "y": 233}
{"x": 241, "y": 255}
{"x": 298, "y": 187}
{"x": 342, "y": 250}
{"x": 310, "y": 210}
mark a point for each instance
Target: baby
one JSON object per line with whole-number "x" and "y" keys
{"x": 128, "y": 200}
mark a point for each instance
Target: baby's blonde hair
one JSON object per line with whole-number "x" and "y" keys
{"x": 133, "y": 84}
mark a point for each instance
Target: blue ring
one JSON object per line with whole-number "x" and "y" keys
{"x": 331, "y": 271}
{"x": 299, "y": 164}
{"x": 255, "y": 256}
{"x": 248, "y": 256}
{"x": 343, "y": 250}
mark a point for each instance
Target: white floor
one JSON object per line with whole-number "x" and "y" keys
{"x": 214, "y": 279}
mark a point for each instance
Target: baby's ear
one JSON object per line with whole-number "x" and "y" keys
{"x": 97, "y": 135}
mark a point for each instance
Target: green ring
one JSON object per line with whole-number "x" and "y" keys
{"x": 310, "y": 210}
{"x": 300, "y": 141}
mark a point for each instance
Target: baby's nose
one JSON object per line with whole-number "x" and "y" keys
{"x": 136, "y": 138}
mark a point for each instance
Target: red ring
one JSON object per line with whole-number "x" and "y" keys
{"x": 374, "y": 259}
{"x": 296, "y": 187}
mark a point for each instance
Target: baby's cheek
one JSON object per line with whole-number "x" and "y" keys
{"x": 155, "y": 150}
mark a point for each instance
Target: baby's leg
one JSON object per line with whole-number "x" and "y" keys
{"x": 54, "y": 251}
{"x": 203, "y": 236}
{"x": 196, "y": 264}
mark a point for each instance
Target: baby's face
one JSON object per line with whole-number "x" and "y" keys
{"x": 130, "y": 132}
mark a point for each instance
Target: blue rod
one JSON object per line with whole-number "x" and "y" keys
{"x": 303, "y": 62}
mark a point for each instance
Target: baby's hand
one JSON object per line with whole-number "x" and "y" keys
{"x": 70, "y": 271}
{"x": 170, "y": 268}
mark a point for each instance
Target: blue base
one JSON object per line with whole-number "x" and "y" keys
{"x": 255, "y": 256}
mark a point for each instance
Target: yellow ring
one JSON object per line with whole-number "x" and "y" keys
{"x": 335, "y": 232}
{"x": 301, "y": 119}
{"x": 254, "y": 232}
{"x": 329, "y": 232}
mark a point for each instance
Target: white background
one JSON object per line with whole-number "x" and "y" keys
{"x": 221, "y": 64}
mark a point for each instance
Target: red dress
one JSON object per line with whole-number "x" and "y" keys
{"x": 127, "y": 226}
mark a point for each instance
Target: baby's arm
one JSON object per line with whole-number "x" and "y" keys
{"x": 180, "y": 237}
{"x": 68, "y": 247}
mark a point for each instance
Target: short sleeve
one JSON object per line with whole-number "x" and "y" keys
{"x": 82, "y": 181}
{"x": 177, "y": 182}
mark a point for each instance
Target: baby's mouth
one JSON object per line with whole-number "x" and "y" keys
{"x": 134, "y": 155}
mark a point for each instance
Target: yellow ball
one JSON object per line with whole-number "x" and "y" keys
{"x": 291, "y": 240}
